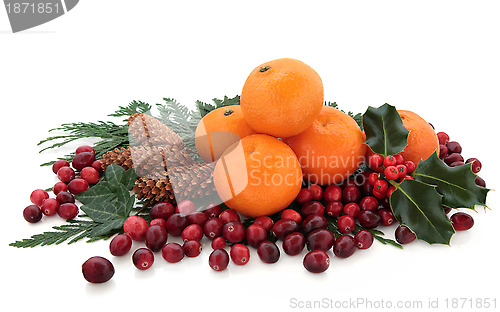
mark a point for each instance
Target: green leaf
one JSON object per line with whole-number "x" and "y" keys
{"x": 456, "y": 184}
{"x": 204, "y": 108}
{"x": 418, "y": 206}
{"x": 128, "y": 178}
{"x": 102, "y": 211}
{"x": 105, "y": 228}
{"x": 97, "y": 193}
{"x": 114, "y": 174}
{"x": 384, "y": 129}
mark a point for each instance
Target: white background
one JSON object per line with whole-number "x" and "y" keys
{"x": 439, "y": 59}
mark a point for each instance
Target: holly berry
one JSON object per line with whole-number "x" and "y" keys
{"x": 376, "y": 161}
{"x": 410, "y": 166}
{"x": 390, "y": 161}
{"x": 332, "y": 193}
{"x": 120, "y": 245}
{"x": 32, "y": 214}
{"x": 97, "y": 270}
{"x": 316, "y": 261}
{"x": 91, "y": 175}
{"x": 156, "y": 237}
{"x": 372, "y": 178}
{"x": 192, "y": 248}
{"x": 50, "y": 206}
{"x": 239, "y": 254}
{"x": 255, "y": 234}
{"x": 404, "y": 235}
{"x": 294, "y": 243}
{"x": 38, "y": 196}
{"x": 381, "y": 185}
{"x": 268, "y": 252}
{"x": 402, "y": 170}
{"x": 143, "y": 258}
{"x": 59, "y": 164}
{"x": 364, "y": 239}
{"x": 66, "y": 174}
{"x": 391, "y": 172}
{"x": 172, "y": 252}
{"x": 68, "y": 211}
{"x": 346, "y": 224}
{"x": 461, "y": 221}
{"x": 78, "y": 186}
{"x": 399, "y": 159}
{"x": 82, "y": 160}
{"x": 59, "y": 187}
{"x": 344, "y": 246}
{"x": 136, "y": 228}
{"x": 218, "y": 260}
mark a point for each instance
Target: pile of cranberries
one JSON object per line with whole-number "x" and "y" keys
{"x": 69, "y": 185}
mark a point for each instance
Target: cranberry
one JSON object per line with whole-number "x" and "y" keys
{"x": 313, "y": 222}
{"x": 284, "y": 227}
{"x": 373, "y": 178}
{"x": 386, "y": 203}
{"x": 454, "y": 147}
{"x": 65, "y": 197}
{"x": 98, "y": 270}
{"x": 364, "y": 239}
{"x": 268, "y": 252}
{"x": 390, "y": 161}
{"x": 78, "y": 186}
{"x": 156, "y": 237}
{"x": 172, "y": 252}
{"x": 218, "y": 260}
{"x": 213, "y": 210}
{"x": 38, "y": 196}
{"x": 97, "y": 165}
{"x": 386, "y": 216}
{"x": 320, "y": 239}
{"x": 65, "y": 174}
{"x": 185, "y": 207}
{"x": 312, "y": 207}
{"x": 294, "y": 243}
{"x": 332, "y": 193}
{"x": 192, "y": 248}
{"x": 480, "y": 182}
{"x": 346, "y": 224}
{"x": 85, "y": 148}
{"x": 334, "y": 209}
{"x": 255, "y": 235}
{"x": 291, "y": 214}
{"x": 404, "y": 235}
{"x": 162, "y": 210}
{"x": 233, "y": 232}
{"x": 402, "y": 170}
{"x": 457, "y": 163}
{"x": 461, "y": 221}
{"x": 399, "y": 159}
{"x": 59, "y": 164}
{"x": 90, "y": 175}
{"x": 378, "y": 195}
{"x": 351, "y": 209}
{"x": 68, "y": 211}
{"x": 453, "y": 158}
{"x": 376, "y": 161}
{"x": 158, "y": 221}
{"x": 82, "y": 160}
{"x": 229, "y": 215}
{"x": 443, "y": 138}
{"x": 192, "y": 232}
{"x": 239, "y": 254}
{"x": 368, "y": 203}
{"x": 410, "y": 166}
{"x": 344, "y": 246}
{"x": 264, "y": 221}
{"x": 219, "y": 243}
{"x": 351, "y": 194}
{"x": 443, "y": 151}
{"x": 59, "y": 187}
{"x": 317, "y": 191}
{"x": 446, "y": 210}
{"x": 136, "y": 228}
{"x": 198, "y": 217}
{"x": 304, "y": 196}
{"x": 50, "y": 206}
{"x": 369, "y": 219}
{"x": 476, "y": 164}
{"x": 120, "y": 245}
{"x": 32, "y": 214}
{"x": 176, "y": 224}
{"x": 391, "y": 190}
{"x": 213, "y": 228}
{"x": 143, "y": 258}
{"x": 391, "y": 173}
{"x": 316, "y": 261}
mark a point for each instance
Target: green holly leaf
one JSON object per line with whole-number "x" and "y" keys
{"x": 456, "y": 184}
{"x": 384, "y": 129}
{"x": 418, "y": 206}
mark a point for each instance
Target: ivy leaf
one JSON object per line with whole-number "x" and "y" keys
{"x": 128, "y": 178}
{"x": 114, "y": 174}
{"x": 384, "y": 129}
{"x": 98, "y": 193}
{"x": 456, "y": 184}
{"x": 418, "y": 206}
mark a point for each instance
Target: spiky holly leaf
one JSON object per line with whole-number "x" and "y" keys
{"x": 418, "y": 206}
{"x": 456, "y": 184}
{"x": 384, "y": 129}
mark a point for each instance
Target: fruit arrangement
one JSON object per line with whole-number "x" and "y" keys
{"x": 277, "y": 169}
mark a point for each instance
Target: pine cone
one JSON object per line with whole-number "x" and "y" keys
{"x": 119, "y": 156}
{"x": 154, "y": 191}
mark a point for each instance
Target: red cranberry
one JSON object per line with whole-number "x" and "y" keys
{"x": 68, "y": 211}
{"x": 364, "y": 239}
{"x": 233, "y": 232}
{"x": 334, "y": 209}
{"x": 316, "y": 261}
{"x": 453, "y": 158}
{"x": 317, "y": 191}
{"x": 213, "y": 228}
{"x": 373, "y": 178}
{"x": 294, "y": 243}
{"x": 369, "y": 219}
{"x": 172, "y": 252}
{"x": 346, "y": 224}
{"x": 480, "y": 182}
{"x": 50, "y": 207}
{"x": 457, "y": 163}
{"x": 344, "y": 246}
{"x": 90, "y": 175}
{"x": 454, "y": 147}
{"x": 82, "y": 160}
{"x": 284, "y": 227}
{"x": 268, "y": 252}
{"x": 176, "y": 223}
{"x": 391, "y": 173}
{"x": 120, "y": 245}
{"x": 291, "y": 214}
{"x": 136, "y": 228}
{"x": 390, "y": 161}
{"x": 65, "y": 197}
{"x": 229, "y": 215}
{"x": 192, "y": 248}
{"x": 59, "y": 187}
{"x": 443, "y": 151}
{"x": 476, "y": 164}
{"x": 312, "y": 207}
{"x": 368, "y": 203}
{"x": 304, "y": 196}
{"x": 443, "y": 138}
{"x": 332, "y": 193}
{"x": 351, "y": 194}
{"x": 97, "y": 165}
{"x": 313, "y": 222}
{"x": 85, "y": 149}
{"x": 65, "y": 174}
{"x": 461, "y": 221}
{"x": 404, "y": 235}
{"x": 59, "y": 164}
{"x": 320, "y": 239}
{"x": 162, "y": 210}
{"x": 351, "y": 209}
{"x": 218, "y": 260}
{"x": 410, "y": 166}
{"x": 192, "y": 232}
{"x": 143, "y": 258}
{"x": 255, "y": 235}
{"x": 38, "y": 196}
{"x": 32, "y": 214}
{"x": 156, "y": 237}
{"x": 375, "y": 161}
{"x": 264, "y": 221}
{"x": 213, "y": 210}
{"x": 219, "y": 242}
{"x": 78, "y": 186}
{"x": 239, "y": 254}
{"x": 185, "y": 207}
{"x": 198, "y": 217}
{"x": 158, "y": 221}
{"x": 446, "y": 210}
{"x": 386, "y": 216}
{"x": 98, "y": 270}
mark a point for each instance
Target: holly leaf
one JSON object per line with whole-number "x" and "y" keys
{"x": 456, "y": 184}
{"x": 418, "y": 206}
{"x": 384, "y": 129}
